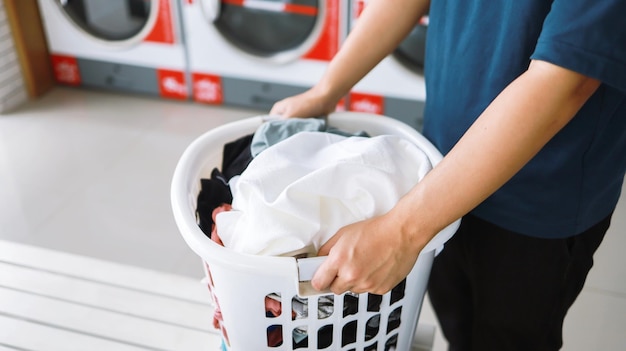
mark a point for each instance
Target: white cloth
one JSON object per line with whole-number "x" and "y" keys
{"x": 303, "y": 189}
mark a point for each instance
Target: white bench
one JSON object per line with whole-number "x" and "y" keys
{"x": 51, "y": 300}
{"x": 56, "y": 301}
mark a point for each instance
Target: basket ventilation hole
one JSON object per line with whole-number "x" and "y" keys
{"x": 392, "y": 343}
{"x": 274, "y": 335}
{"x": 325, "y": 306}
{"x": 373, "y": 302}
{"x": 397, "y": 293}
{"x": 348, "y": 334}
{"x": 300, "y": 337}
{"x": 394, "y": 319}
{"x": 325, "y": 337}
{"x": 273, "y": 305}
{"x": 371, "y": 327}
{"x": 299, "y": 308}
{"x": 350, "y": 304}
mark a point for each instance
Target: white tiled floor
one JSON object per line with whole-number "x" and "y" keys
{"x": 89, "y": 173}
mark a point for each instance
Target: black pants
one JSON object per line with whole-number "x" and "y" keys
{"x": 493, "y": 289}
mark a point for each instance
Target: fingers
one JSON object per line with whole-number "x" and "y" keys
{"x": 340, "y": 278}
{"x": 326, "y": 273}
{"x": 324, "y": 276}
{"x": 307, "y": 104}
{"x": 278, "y": 109}
{"x": 362, "y": 259}
{"x": 294, "y": 106}
{"x": 336, "y": 273}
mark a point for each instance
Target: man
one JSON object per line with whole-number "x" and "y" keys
{"x": 527, "y": 101}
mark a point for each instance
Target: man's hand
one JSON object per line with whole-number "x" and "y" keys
{"x": 311, "y": 103}
{"x": 368, "y": 256}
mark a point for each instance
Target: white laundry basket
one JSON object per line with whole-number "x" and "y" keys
{"x": 240, "y": 283}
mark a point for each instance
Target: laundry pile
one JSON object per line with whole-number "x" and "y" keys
{"x": 301, "y": 181}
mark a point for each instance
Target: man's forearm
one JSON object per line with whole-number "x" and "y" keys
{"x": 515, "y": 126}
{"x": 380, "y": 28}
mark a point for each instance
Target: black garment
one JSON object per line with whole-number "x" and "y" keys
{"x": 236, "y": 156}
{"x": 493, "y": 289}
{"x": 214, "y": 192}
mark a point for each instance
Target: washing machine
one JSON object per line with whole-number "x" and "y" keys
{"x": 131, "y": 46}
{"x": 252, "y": 53}
{"x": 395, "y": 87}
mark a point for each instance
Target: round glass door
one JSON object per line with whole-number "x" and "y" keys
{"x": 266, "y": 28}
{"x": 410, "y": 52}
{"x": 109, "y": 20}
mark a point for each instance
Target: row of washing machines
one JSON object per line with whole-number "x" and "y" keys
{"x": 247, "y": 53}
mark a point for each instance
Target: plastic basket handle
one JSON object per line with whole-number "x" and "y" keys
{"x": 306, "y": 270}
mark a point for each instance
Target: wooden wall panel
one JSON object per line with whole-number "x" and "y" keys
{"x": 30, "y": 44}
{"x": 12, "y": 89}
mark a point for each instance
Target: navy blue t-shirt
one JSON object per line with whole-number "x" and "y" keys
{"x": 475, "y": 48}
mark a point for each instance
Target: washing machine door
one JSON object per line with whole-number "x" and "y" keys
{"x": 274, "y": 29}
{"x": 114, "y": 21}
{"x": 410, "y": 52}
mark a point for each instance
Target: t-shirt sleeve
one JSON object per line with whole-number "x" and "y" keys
{"x": 586, "y": 36}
